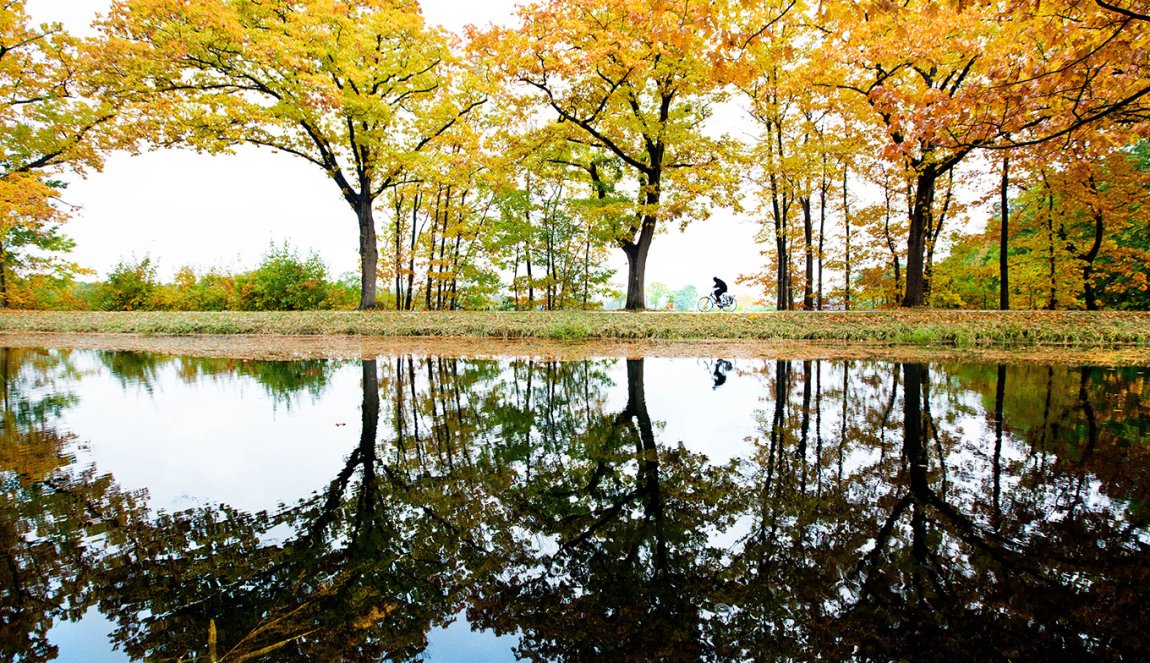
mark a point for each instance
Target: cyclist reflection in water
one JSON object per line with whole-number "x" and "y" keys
{"x": 719, "y": 376}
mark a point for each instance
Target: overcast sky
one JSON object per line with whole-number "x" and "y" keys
{"x": 184, "y": 208}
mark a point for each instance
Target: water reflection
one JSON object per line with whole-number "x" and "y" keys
{"x": 876, "y": 511}
{"x": 50, "y": 511}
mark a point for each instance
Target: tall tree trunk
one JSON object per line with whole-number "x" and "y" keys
{"x": 1088, "y": 263}
{"x": 515, "y": 278}
{"x": 398, "y": 249}
{"x": 637, "y": 265}
{"x": 1050, "y": 234}
{"x": 551, "y": 278}
{"x": 779, "y": 211}
{"x": 824, "y": 185}
{"x": 587, "y": 270}
{"x": 4, "y": 276}
{"x": 1004, "y": 241}
{"x": 890, "y": 242}
{"x": 455, "y": 270}
{"x": 637, "y": 250}
{"x": 530, "y": 283}
{"x": 411, "y": 255}
{"x": 368, "y": 252}
{"x": 437, "y": 265}
{"x": 916, "y": 237}
{"x": 435, "y": 212}
{"x": 809, "y": 254}
{"x": 847, "y": 229}
{"x": 781, "y": 256}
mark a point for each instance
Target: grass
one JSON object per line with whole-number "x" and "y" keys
{"x": 915, "y": 327}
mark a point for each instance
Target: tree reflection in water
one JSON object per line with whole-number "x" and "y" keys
{"x": 880, "y": 511}
{"x": 50, "y": 512}
{"x": 610, "y": 557}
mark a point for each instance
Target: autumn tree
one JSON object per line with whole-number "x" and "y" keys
{"x": 359, "y": 88}
{"x": 791, "y": 158}
{"x": 634, "y": 80}
{"x": 560, "y": 207}
{"x": 442, "y": 225}
{"x": 52, "y": 124}
{"x": 1077, "y": 236}
{"x": 943, "y": 80}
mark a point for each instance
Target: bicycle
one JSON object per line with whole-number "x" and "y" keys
{"x": 726, "y": 303}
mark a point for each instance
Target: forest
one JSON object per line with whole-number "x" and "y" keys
{"x": 921, "y": 154}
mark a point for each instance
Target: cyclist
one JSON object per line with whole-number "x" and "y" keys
{"x": 720, "y": 288}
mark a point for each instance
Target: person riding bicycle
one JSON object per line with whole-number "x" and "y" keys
{"x": 720, "y": 288}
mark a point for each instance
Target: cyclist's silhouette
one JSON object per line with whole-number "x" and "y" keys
{"x": 719, "y": 376}
{"x": 720, "y": 288}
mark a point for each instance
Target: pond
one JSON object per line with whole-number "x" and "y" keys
{"x": 435, "y": 507}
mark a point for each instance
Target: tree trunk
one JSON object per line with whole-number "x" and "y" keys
{"x": 398, "y": 256}
{"x": 890, "y": 243}
{"x": 1088, "y": 263}
{"x": 1003, "y": 241}
{"x": 823, "y": 187}
{"x": 431, "y": 246}
{"x": 515, "y": 278}
{"x": 368, "y": 252}
{"x": 587, "y": 270}
{"x": 637, "y": 255}
{"x": 847, "y": 229}
{"x": 551, "y": 277}
{"x": 808, "y": 232}
{"x": 411, "y": 256}
{"x": 637, "y": 266}
{"x": 779, "y": 210}
{"x": 530, "y": 283}
{"x": 4, "y": 276}
{"x": 1053, "y": 303}
{"x": 455, "y": 272}
{"x": 916, "y": 237}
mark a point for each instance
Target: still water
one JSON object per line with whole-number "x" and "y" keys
{"x": 439, "y": 508}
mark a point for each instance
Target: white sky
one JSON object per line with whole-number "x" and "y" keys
{"x": 184, "y": 208}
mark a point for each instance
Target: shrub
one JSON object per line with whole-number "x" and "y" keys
{"x": 131, "y": 286}
{"x": 284, "y": 282}
{"x": 344, "y": 293}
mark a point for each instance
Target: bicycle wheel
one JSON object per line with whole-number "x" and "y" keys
{"x": 729, "y": 303}
{"x": 706, "y": 304}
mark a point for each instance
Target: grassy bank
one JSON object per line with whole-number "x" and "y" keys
{"x": 924, "y": 328}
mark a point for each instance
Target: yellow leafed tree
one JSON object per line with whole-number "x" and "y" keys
{"x": 635, "y": 80}
{"x": 51, "y": 124}
{"x": 359, "y": 88}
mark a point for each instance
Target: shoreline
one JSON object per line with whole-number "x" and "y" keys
{"x": 295, "y": 347}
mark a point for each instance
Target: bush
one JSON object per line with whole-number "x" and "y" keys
{"x": 131, "y": 286}
{"x": 213, "y": 291}
{"x": 344, "y": 293}
{"x": 284, "y": 282}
